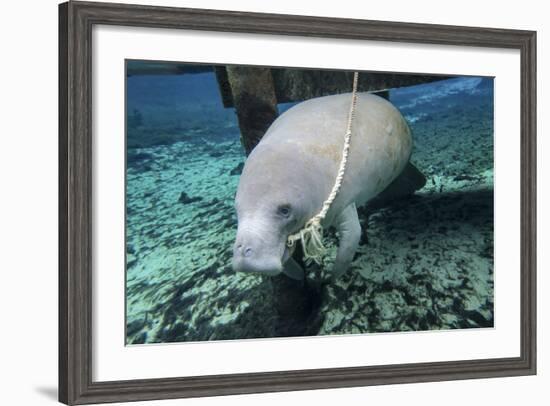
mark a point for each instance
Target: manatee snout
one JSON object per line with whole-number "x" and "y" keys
{"x": 253, "y": 254}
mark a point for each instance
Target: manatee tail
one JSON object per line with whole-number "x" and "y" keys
{"x": 408, "y": 182}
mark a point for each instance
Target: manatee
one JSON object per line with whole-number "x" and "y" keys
{"x": 292, "y": 170}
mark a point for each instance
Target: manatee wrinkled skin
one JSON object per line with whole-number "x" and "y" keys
{"x": 291, "y": 172}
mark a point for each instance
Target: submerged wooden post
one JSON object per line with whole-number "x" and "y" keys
{"x": 385, "y": 94}
{"x": 254, "y": 100}
{"x": 297, "y": 303}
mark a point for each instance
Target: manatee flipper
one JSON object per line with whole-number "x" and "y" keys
{"x": 293, "y": 270}
{"x": 349, "y": 229}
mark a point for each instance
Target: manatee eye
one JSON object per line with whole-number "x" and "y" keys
{"x": 284, "y": 210}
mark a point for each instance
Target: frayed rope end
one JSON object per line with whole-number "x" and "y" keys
{"x": 312, "y": 241}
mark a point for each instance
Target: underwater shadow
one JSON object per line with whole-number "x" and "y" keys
{"x": 187, "y": 312}
{"x": 446, "y": 209}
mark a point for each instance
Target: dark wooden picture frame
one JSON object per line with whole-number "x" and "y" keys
{"x": 76, "y": 20}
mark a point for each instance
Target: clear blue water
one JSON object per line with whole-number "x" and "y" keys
{"x": 426, "y": 264}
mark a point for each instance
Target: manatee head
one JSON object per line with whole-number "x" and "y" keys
{"x": 275, "y": 198}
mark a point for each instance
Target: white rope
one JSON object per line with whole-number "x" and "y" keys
{"x": 312, "y": 233}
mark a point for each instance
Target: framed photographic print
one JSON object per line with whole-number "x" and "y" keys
{"x": 257, "y": 202}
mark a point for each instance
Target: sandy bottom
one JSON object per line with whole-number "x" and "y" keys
{"x": 425, "y": 262}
